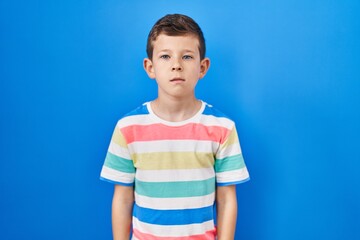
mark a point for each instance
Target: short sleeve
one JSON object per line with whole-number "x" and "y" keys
{"x": 230, "y": 167}
{"x": 118, "y": 167}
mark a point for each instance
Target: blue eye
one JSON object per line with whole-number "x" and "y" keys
{"x": 187, "y": 57}
{"x": 165, "y": 56}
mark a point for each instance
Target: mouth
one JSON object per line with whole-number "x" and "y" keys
{"x": 177, "y": 80}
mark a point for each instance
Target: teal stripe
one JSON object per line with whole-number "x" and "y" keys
{"x": 119, "y": 163}
{"x": 175, "y": 189}
{"x": 229, "y": 163}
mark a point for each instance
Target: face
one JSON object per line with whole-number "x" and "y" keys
{"x": 176, "y": 65}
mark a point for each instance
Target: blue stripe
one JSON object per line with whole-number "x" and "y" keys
{"x": 173, "y": 217}
{"x": 209, "y": 110}
{"x": 138, "y": 111}
{"x": 118, "y": 163}
{"x": 229, "y": 163}
{"x": 118, "y": 183}
{"x": 175, "y": 189}
{"x": 232, "y": 183}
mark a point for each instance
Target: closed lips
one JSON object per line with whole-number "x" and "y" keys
{"x": 177, "y": 79}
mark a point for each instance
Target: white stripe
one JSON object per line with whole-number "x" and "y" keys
{"x": 117, "y": 150}
{"x": 174, "y": 146}
{"x": 173, "y": 175}
{"x": 146, "y": 119}
{"x": 117, "y": 176}
{"x": 231, "y": 150}
{"x": 140, "y": 119}
{"x": 173, "y": 230}
{"x": 175, "y": 203}
{"x": 232, "y": 176}
{"x": 210, "y": 120}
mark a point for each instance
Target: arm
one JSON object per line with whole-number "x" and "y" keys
{"x": 226, "y": 204}
{"x": 122, "y": 206}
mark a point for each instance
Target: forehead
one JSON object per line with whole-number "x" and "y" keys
{"x": 189, "y": 41}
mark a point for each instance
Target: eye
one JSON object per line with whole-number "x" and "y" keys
{"x": 187, "y": 57}
{"x": 165, "y": 56}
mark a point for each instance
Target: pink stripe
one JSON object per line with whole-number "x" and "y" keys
{"x": 209, "y": 235}
{"x": 191, "y": 131}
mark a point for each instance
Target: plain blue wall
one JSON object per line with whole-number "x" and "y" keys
{"x": 286, "y": 71}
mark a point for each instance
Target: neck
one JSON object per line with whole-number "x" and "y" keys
{"x": 176, "y": 110}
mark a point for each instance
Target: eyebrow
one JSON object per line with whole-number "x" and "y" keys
{"x": 169, "y": 50}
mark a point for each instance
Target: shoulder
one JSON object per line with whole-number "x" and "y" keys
{"x": 211, "y": 110}
{"x": 140, "y": 110}
{"x": 217, "y": 117}
{"x": 139, "y": 115}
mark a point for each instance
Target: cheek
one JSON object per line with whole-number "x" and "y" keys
{"x": 196, "y": 71}
{"x": 160, "y": 68}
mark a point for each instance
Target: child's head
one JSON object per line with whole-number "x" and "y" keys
{"x": 175, "y": 25}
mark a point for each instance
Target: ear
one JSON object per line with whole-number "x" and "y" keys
{"x": 149, "y": 68}
{"x": 204, "y": 67}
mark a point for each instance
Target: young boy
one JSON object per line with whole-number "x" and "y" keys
{"x": 172, "y": 158}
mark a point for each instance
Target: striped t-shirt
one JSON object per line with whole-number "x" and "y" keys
{"x": 174, "y": 168}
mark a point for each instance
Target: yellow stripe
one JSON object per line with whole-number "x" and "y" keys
{"x": 118, "y": 138}
{"x": 173, "y": 160}
{"x": 232, "y": 138}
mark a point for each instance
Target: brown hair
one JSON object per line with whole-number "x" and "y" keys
{"x": 175, "y": 25}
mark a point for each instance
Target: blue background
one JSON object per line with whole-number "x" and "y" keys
{"x": 288, "y": 72}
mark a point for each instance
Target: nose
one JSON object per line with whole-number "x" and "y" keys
{"x": 177, "y": 69}
{"x": 177, "y": 66}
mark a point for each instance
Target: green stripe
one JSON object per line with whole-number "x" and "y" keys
{"x": 119, "y": 163}
{"x": 175, "y": 189}
{"x": 229, "y": 163}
